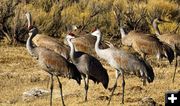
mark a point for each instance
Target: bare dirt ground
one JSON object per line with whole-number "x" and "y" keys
{"x": 19, "y": 73}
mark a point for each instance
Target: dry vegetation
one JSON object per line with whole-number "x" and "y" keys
{"x": 19, "y": 72}
{"x": 55, "y": 17}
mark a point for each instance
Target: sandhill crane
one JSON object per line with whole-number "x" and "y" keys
{"x": 48, "y": 42}
{"x": 172, "y": 39}
{"x": 89, "y": 66}
{"x": 52, "y": 63}
{"x": 147, "y": 44}
{"x": 123, "y": 62}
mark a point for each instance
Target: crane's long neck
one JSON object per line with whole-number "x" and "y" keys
{"x": 29, "y": 18}
{"x": 97, "y": 49}
{"x": 123, "y": 34}
{"x": 29, "y": 45}
{"x": 155, "y": 26}
{"x": 72, "y": 50}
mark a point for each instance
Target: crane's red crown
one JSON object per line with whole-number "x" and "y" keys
{"x": 30, "y": 27}
{"x": 94, "y": 29}
{"x": 71, "y": 34}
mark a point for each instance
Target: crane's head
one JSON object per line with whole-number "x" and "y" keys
{"x": 33, "y": 31}
{"x": 74, "y": 27}
{"x": 28, "y": 14}
{"x": 96, "y": 32}
{"x": 70, "y": 36}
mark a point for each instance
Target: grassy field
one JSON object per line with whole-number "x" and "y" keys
{"x": 19, "y": 73}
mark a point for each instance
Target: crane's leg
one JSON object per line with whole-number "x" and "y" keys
{"x": 175, "y": 68}
{"x": 144, "y": 80}
{"x": 86, "y": 86}
{"x": 115, "y": 85}
{"x": 143, "y": 77}
{"x": 60, "y": 87}
{"x": 48, "y": 81}
{"x": 144, "y": 56}
{"x": 123, "y": 86}
{"x": 84, "y": 78}
{"x": 159, "y": 58}
{"x": 51, "y": 88}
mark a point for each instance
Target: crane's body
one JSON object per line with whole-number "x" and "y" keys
{"x": 121, "y": 59}
{"x": 147, "y": 44}
{"x": 48, "y": 42}
{"x": 89, "y": 66}
{"x": 123, "y": 62}
{"x": 53, "y": 63}
{"x": 50, "y": 62}
{"x": 84, "y": 44}
{"x": 172, "y": 39}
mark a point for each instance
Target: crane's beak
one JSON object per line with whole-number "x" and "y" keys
{"x": 161, "y": 21}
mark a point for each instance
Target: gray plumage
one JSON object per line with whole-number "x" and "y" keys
{"x": 53, "y": 63}
{"x": 123, "y": 62}
{"x": 89, "y": 66}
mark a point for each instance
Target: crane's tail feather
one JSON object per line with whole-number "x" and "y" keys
{"x": 168, "y": 52}
{"x": 102, "y": 77}
{"x": 105, "y": 82}
{"x": 149, "y": 73}
{"x": 93, "y": 79}
{"x": 98, "y": 72}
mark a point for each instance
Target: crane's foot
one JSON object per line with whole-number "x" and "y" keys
{"x": 63, "y": 104}
{"x": 122, "y": 101}
{"x": 85, "y": 100}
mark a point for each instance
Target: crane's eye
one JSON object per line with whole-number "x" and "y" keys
{"x": 30, "y": 27}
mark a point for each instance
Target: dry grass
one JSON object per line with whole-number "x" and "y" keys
{"x": 19, "y": 73}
